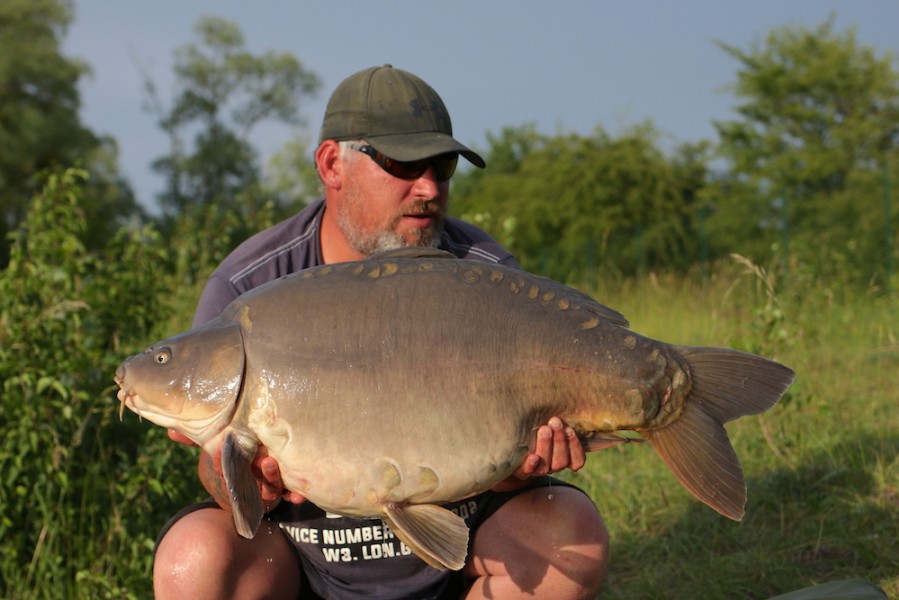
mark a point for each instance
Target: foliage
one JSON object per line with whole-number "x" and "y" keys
{"x": 291, "y": 175}
{"x": 39, "y": 124}
{"x": 806, "y": 166}
{"x": 819, "y": 116}
{"x": 581, "y": 204}
{"x": 224, "y": 92}
{"x": 82, "y": 495}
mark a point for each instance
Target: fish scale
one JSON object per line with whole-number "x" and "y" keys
{"x": 388, "y": 386}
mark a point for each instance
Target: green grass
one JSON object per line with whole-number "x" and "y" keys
{"x": 822, "y": 467}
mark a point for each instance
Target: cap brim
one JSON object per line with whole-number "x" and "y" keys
{"x": 416, "y": 146}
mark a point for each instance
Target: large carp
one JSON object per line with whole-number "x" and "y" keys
{"x": 388, "y": 386}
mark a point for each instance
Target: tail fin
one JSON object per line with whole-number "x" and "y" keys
{"x": 726, "y": 384}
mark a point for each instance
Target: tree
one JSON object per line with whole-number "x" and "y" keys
{"x": 819, "y": 114}
{"x": 569, "y": 206}
{"x": 39, "y": 123}
{"x": 291, "y": 175}
{"x": 224, "y": 92}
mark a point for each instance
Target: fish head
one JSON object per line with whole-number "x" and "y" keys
{"x": 190, "y": 382}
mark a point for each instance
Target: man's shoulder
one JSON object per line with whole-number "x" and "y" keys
{"x": 469, "y": 241}
{"x": 278, "y": 250}
{"x": 289, "y": 246}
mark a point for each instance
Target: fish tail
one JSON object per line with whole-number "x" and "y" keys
{"x": 727, "y": 384}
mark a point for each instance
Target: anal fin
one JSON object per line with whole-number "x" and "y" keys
{"x": 246, "y": 501}
{"x": 438, "y": 536}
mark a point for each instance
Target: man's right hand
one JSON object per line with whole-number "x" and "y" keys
{"x": 265, "y": 470}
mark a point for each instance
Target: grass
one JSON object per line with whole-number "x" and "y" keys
{"x": 822, "y": 467}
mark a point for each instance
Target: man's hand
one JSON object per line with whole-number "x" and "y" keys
{"x": 557, "y": 448}
{"x": 180, "y": 438}
{"x": 265, "y": 470}
{"x": 268, "y": 475}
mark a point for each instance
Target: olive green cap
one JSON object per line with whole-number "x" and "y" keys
{"x": 396, "y": 112}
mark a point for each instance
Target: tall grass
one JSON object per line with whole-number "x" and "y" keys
{"x": 822, "y": 467}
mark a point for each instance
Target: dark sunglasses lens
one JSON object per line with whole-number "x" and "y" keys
{"x": 404, "y": 170}
{"x": 445, "y": 166}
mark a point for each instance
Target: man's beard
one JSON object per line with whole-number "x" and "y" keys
{"x": 368, "y": 243}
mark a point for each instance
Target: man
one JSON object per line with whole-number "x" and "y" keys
{"x": 385, "y": 157}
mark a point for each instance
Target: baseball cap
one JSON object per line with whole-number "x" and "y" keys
{"x": 396, "y": 112}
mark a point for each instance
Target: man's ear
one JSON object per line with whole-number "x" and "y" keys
{"x": 327, "y": 161}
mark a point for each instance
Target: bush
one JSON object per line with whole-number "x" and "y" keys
{"x": 70, "y": 468}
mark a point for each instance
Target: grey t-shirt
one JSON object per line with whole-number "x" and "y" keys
{"x": 346, "y": 557}
{"x": 295, "y": 244}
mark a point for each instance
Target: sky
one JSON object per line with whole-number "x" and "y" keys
{"x": 563, "y": 66}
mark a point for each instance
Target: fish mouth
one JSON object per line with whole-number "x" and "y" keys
{"x": 194, "y": 426}
{"x": 125, "y": 396}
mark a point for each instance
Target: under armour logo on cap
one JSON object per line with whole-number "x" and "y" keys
{"x": 418, "y": 109}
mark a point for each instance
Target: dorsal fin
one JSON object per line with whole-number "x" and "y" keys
{"x": 412, "y": 252}
{"x": 587, "y": 302}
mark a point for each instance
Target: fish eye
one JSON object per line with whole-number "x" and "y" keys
{"x": 162, "y": 356}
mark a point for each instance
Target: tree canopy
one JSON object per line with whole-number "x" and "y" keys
{"x": 569, "y": 203}
{"x": 818, "y": 120}
{"x": 39, "y": 122}
{"x": 223, "y": 92}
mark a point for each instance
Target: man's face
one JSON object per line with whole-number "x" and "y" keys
{"x": 378, "y": 211}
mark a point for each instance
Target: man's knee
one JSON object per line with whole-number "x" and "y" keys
{"x": 195, "y": 558}
{"x": 202, "y": 556}
{"x": 549, "y": 542}
{"x": 593, "y": 541}
{"x": 579, "y": 527}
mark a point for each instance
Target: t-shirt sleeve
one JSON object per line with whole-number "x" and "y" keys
{"x": 217, "y": 294}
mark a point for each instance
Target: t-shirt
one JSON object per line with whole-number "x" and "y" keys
{"x": 345, "y": 557}
{"x": 295, "y": 244}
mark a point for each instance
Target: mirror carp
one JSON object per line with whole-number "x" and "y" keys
{"x": 388, "y": 386}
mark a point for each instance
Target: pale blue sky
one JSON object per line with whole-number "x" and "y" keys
{"x": 566, "y": 65}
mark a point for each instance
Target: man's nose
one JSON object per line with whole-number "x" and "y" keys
{"x": 426, "y": 184}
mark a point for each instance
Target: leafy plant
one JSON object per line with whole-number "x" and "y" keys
{"x": 70, "y": 470}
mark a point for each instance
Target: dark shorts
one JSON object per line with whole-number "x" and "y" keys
{"x": 360, "y": 558}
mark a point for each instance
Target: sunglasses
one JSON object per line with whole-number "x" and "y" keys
{"x": 444, "y": 164}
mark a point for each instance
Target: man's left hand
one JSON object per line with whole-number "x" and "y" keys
{"x": 557, "y": 448}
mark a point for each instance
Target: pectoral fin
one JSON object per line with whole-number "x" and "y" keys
{"x": 246, "y": 502}
{"x": 438, "y": 536}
